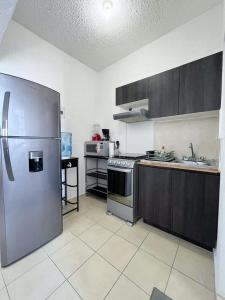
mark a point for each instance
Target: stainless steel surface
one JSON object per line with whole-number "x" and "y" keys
{"x": 193, "y": 163}
{"x": 133, "y": 116}
{"x": 35, "y": 154}
{"x": 33, "y": 108}
{"x": 135, "y": 104}
{"x": 96, "y": 148}
{"x": 122, "y": 211}
{"x": 193, "y": 157}
{"x": 121, "y": 200}
{"x": 30, "y": 202}
{"x": 119, "y": 169}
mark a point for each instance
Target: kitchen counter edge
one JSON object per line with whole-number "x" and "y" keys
{"x": 179, "y": 166}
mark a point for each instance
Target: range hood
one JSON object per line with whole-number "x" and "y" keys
{"x": 134, "y": 114}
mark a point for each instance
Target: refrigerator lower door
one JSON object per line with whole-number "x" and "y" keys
{"x": 30, "y": 205}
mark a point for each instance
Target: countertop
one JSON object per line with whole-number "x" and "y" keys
{"x": 180, "y": 166}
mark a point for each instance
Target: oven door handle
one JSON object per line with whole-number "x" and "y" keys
{"x": 119, "y": 169}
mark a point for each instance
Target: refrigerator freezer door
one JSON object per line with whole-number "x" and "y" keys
{"x": 33, "y": 109}
{"x": 30, "y": 206}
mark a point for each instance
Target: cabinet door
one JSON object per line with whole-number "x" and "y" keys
{"x": 200, "y": 85}
{"x": 195, "y": 206}
{"x": 164, "y": 93}
{"x": 154, "y": 196}
{"x": 132, "y": 92}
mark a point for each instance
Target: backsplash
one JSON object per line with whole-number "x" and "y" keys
{"x": 177, "y": 134}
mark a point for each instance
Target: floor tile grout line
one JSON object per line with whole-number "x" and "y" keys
{"x": 67, "y": 278}
{"x": 121, "y": 272}
{"x": 199, "y": 283}
{"x": 178, "y": 245}
{"x": 61, "y": 274}
{"x": 35, "y": 265}
{"x": 55, "y": 290}
{"x": 113, "y": 286}
{"x": 129, "y": 240}
{"x": 109, "y": 229}
{"x": 196, "y": 281}
{"x": 52, "y": 253}
{"x": 81, "y": 265}
{"x": 74, "y": 289}
{"x": 96, "y": 250}
{"x": 139, "y": 248}
{"x": 6, "y": 287}
{"x": 142, "y": 249}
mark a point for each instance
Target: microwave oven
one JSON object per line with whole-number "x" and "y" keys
{"x": 96, "y": 148}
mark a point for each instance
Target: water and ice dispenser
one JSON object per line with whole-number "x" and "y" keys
{"x": 35, "y": 161}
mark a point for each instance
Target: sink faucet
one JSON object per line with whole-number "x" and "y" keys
{"x": 193, "y": 157}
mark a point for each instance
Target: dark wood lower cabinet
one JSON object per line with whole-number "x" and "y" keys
{"x": 195, "y": 206}
{"x": 154, "y": 196}
{"x": 181, "y": 202}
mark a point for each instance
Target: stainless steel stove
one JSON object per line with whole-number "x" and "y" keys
{"x": 122, "y": 186}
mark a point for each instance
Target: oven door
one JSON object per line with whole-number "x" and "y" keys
{"x": 120, "y": 185}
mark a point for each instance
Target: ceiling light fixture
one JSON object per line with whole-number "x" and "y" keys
{"x": 107, "y": 4}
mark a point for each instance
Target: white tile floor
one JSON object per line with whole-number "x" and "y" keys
{"x": 100, "y": 257}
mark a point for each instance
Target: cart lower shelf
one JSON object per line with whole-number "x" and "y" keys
{"x": 98, "y": 191}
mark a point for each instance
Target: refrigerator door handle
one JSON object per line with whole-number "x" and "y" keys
{"x": 5, "y": 114}
{"x": 8, "y": 165}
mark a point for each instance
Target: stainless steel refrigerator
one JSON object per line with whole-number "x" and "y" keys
{"x": 30, "y": 176}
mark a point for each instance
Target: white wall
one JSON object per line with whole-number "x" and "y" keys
{"x": 24, "y": 54}
{"x": 7, "y": 8}
{"x": 220, "y": 251}
{"x": 195, "y": 39}
{"x": 176, "y": 136}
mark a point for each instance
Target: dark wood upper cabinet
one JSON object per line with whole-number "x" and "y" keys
{"x": 132, "y": 92}
{"x": 200, "y": 85}
{"x": 195, "y": 206}
{"x": 154, "y": 196}
{"x": 164, "y": 93}
{"x": 194, "y": 87}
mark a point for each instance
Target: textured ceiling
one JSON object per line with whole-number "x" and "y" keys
{"x": 98, "y": 38}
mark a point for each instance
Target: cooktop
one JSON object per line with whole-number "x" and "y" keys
{"x": 131, "y": 155}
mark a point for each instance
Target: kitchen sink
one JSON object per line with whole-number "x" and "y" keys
{"x": 193, "y": 163}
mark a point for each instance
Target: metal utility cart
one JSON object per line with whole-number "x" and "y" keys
{"x": 96, "y": 175}
{"x": 67, "y": 164}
